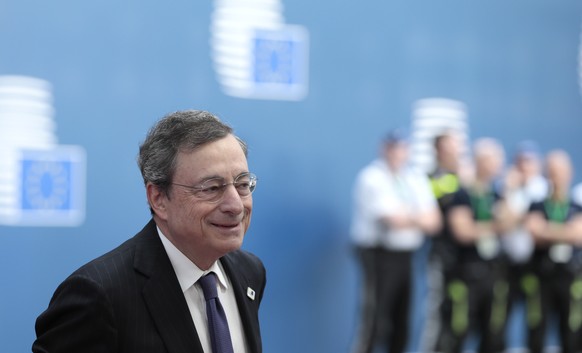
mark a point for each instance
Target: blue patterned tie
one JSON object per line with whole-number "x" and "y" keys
{"x": 217, "y": 324}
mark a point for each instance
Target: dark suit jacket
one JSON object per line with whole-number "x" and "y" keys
{"x": 129, "y": 300}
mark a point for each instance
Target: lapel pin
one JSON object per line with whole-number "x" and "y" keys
{"x": 250, "y": 293}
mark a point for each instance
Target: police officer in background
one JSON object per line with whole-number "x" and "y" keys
{"x": 553, "y": 284}
{"x": 393, "y": 210}
{"x": 445, "y": 182}
{"x": 475, "y": 289}
{"x": 522, "y": 185}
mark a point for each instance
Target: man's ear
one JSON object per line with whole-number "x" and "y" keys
{"x": 157, "y": 200}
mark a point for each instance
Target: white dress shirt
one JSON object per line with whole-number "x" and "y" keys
{"x": 188, "y": 274}
{"x": 518, "y": 244}
{"x": 379, "y": 192}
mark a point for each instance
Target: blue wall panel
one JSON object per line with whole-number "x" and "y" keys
{"x": 117, "y": 67}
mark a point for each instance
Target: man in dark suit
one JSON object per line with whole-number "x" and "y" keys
{"x": 148, "y": 295}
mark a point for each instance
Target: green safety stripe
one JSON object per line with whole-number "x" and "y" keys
{"x": 557, "y": 211}
{"x": 499, "y": 306}
{"x": 575, "y": 317}
{"x": 531, "y": 287}
{"x": 482, "y": 205}
{"x": 458, "y": 294}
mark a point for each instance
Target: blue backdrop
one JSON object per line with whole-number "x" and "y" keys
{"x": 116, "y": 67}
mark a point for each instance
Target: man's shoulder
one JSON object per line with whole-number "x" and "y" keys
{"x": 115, "y": 262}
{"x": 245, "y": 263}
{"x": 373, "y": 169}
{"x": 537, "y": 206}
{"x": 244, "y": 258}
{"x": 416, "y": 175}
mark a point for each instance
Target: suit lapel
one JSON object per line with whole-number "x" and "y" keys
{"x": 163, "y": 295}
{"x": 246, "y": 305}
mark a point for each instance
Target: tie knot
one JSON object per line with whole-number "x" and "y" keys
{"x": 208, "y": 284}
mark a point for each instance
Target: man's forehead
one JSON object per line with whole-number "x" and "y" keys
{"x": 221, "y": 160}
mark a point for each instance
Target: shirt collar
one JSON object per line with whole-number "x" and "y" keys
{"x": 381, "y": 164}
{"x": 186, "y": 271}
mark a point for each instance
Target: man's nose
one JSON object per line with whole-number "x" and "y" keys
{"x": 231, "y": 200}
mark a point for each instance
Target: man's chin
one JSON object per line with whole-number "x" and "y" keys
{"x": 231, "y": 243}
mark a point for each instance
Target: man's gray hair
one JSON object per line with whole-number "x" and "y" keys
{"x": 180, "y": 131}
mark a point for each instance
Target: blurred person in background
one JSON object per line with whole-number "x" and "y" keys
{"x": 522, "y": 185}
{"x": 393, "y": 210}
{"x": 553, "y": 282}
{"x": 475, "y": 289}
{"x": 445, "y": 182}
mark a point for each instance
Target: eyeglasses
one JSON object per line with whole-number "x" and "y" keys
{"x": 213, "y": 189}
